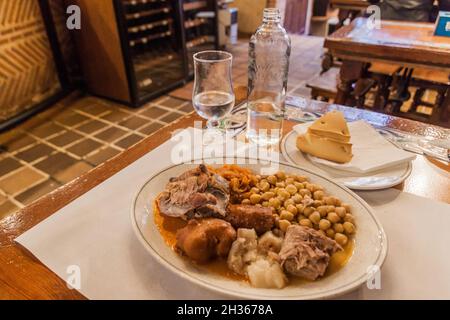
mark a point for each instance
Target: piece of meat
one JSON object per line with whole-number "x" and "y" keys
{"x": 306, "y": 253}
{"x": 243, "y": 251}
{"x": 205, "y": 239}
{"x": 251, "y": 217}
{"x": 196, "y": 193}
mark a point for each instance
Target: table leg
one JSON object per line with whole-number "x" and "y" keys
{"x": 349, "y": 73}
{"x": 445, "y": 107}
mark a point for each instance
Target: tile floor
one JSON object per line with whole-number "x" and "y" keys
{"x": 81, "y": 132}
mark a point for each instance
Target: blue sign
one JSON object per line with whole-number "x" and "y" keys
{"x": 443, "y": 24}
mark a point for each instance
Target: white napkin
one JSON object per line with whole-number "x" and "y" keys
{"x": 371, "y": 152}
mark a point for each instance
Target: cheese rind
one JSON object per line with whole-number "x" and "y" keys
{"x": 331, "y": 125}
{"x": 325, "y": 148}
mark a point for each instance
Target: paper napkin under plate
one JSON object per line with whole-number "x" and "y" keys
{"x": 371, "y": 152}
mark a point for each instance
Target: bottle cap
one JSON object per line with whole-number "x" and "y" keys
{"x": 272, "y": 15}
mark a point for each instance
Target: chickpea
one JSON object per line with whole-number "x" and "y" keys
{"x": 338, "y": 227}
{"x": 255, "y": 198}
{"x": 333, "y": 217}
{"x": 272, "y": 180}
{"x": 340, "y": 211}
{"x": 264, "y": 186}
{"x": 281, "y": 184}
{"x": 265, "y": 204}
{"x": 284, "y": 224}
{"x": 290, "y": 180}
{"x": 318, "y": 195}
{"x": 324, "y": 224}
{"x": 297, "y": 198}
{"x": 300, "y": 208}
{"x": 274, "y": 202}
{"x": 349, "y": 228}
{"x": 341, "y": 238}
{"x": 328, "y": 201}
{"x": 305, "y": 223}
{"x": 331, "y": 209}
{"x": 289, "y": 202}
{"x": 310, "y": 187}
{"x": 305, "y": 192}
{"x": 281, "y": 175}
{"x": 317, "y": 203}
{"x": 283, "y": 194}
{"x": 267, "y": 195}
{"x": 323, "y": 211}
{"x": 291, "y": 189}
{"x": 291, "y": 208}
{"x": 308, "y": 211}
{"x": 346, "y": 206}
{"x": 349, "y": 218}
{"x": 299, "y": 185}
{"x": 330, "y": 233}
{"x": 286, "y": 215}
{"x": 337, "y": 201}
{"x": 254, "y": 190}
{"x": 281, "y": 209}
{"x": 246, "y": 201}
{"x": 302, "y": 178}
{"x": 315, "y": 217}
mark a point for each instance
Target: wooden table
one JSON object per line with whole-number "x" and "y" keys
{"x": 22, "y": 276}
{"x": 407, "y": 44}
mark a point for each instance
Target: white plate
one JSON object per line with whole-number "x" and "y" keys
{"x": 370, "y": 244}
{"x": 376, "y": 180}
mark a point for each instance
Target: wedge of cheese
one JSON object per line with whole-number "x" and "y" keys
{"x": 331, "y": 125}
{"x": 325, "y": 148}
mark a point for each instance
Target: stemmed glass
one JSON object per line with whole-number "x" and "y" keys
{"x": 213, "y": 95}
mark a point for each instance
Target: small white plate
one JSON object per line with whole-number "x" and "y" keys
{"x": 369, "y": 251}
{"x": 376, "y": 180}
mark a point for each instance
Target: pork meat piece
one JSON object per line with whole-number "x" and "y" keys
{"x": 306, "y": 253}
{"x": 196, "y": 193}
{"x": 205, "y": 239}
{"x": 250, "y": 217}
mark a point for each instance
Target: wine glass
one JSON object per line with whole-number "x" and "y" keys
{"x": 213, "y": 95}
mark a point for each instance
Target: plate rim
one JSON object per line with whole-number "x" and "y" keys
{"x": 348, "y": 287}
{"x": 400, "y": 180}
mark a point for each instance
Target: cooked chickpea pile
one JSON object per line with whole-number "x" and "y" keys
{"x": 297, "y": 201}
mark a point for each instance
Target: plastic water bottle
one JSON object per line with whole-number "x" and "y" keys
{"x": 269, "y": 52}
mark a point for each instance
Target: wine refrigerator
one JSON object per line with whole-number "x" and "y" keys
{"x": 132, "y": 51}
